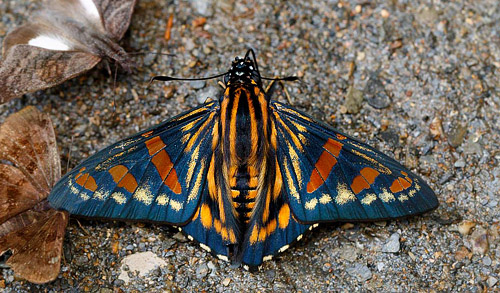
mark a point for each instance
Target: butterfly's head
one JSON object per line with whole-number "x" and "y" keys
{"x": 243, "y": 70}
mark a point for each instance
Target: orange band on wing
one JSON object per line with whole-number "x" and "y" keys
{"x": 369, "y": 174}
{"x": 87, "y": 182}
{"x": 324, "y": 165}
{"x": 363, "y": 181}
{"x": 333, "y": 146}
{"x": 128, "y": 182}
{"x": 358, "y": 184}
{"x": 321, "y": 170}
{"x": 166, "y": 170}
{"x": 396, "y": 186}
{"x": 154, "y": 145}
{"x": 400, "y": 183}
{"x": 404, "y": 182}
{"x": 82, "y": 178}
{"x": 117, "y": 172}
{"x": 173, "y": 182}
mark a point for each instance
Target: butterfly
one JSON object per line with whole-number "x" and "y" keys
{"x": 29, "y": 167}
{"x": 65, "y": 39}
{"x": 243, "y": 175}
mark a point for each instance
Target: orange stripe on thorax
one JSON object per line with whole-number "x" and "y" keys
{"x": 232, "y": 127}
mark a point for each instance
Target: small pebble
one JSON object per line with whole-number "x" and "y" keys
{"x": 353, "y": 100}
{"x": 460, "y": 163}
{"x": 487, "y": 261}
{"x": 202, "y": 271}
{"x": 347, "y": 226}
{"x": 210, "y": 92}
{"x": 226, "y": 282}
{"x": 199, "y": 84}
{"x": 479, "y": 241}
{"x": 465, "y": 227}
{"x": 491, "y": 281}
{"x": 472, "y": 148}
{"x": 141, "y": 262}
{"x": 360, "y": 272}
{"x": 180, "y": 237}
{"x": 457, "y": 135}
{"x": 203, "y": 7}
{"x": 392, "y": 244}
{"x": 375, "y": 93}
{"x": 349, "y": 252}
{"x": 384, "y": 13}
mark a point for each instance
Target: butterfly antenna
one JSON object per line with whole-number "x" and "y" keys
{"x": 288, "y": 78}
{"x": 153, "y": 52}
{"x": 251, "y": 51}
{"x": 169, "y": 78}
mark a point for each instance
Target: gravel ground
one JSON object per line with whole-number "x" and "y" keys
{"x": 417, "y": 80}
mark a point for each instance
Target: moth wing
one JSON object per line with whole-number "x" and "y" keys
{"x": 29, "y": 167}
{"x": 112, "y": 17}
{"x": 17, "y": 194}
{"x": 116, "y": 15}
{"x": 47, "y": 52}
{"x": 26, "y": 67}
{"x": 156, "y": 175}
{"x": 331, "y": 177}
{"x": 28, "y": 143}
{"x": 37, "y": 246}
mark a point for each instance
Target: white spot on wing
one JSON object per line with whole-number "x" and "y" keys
{"x": 325, "y": 198}
{"x": 90, "y": 8}
{"x": 205, "y": 247}
{"x": 222, "y": 257}
{"x": 267, "y": 257}
{"x": 102, "y": 194}
{"x": 311, "y": 205}
{"x": 344, "y": 194}
{"x": 119, "y": 197}
{"x": 175, "y": 205}
{"x": 49, "y": 42}
{"x": 368, "y": 199}
{"x": 386, "y": 196}
{"x": 283, "y": 248}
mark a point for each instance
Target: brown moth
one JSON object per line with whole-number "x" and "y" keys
{"x": 63, "y": 40}
{"x": 29, "y": 167}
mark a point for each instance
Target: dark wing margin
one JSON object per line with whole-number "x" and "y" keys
{"x": 329, "y": 176}
{"x": 155, "y": 175}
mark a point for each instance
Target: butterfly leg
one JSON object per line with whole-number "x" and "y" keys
{"x": 272, "y": 86}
